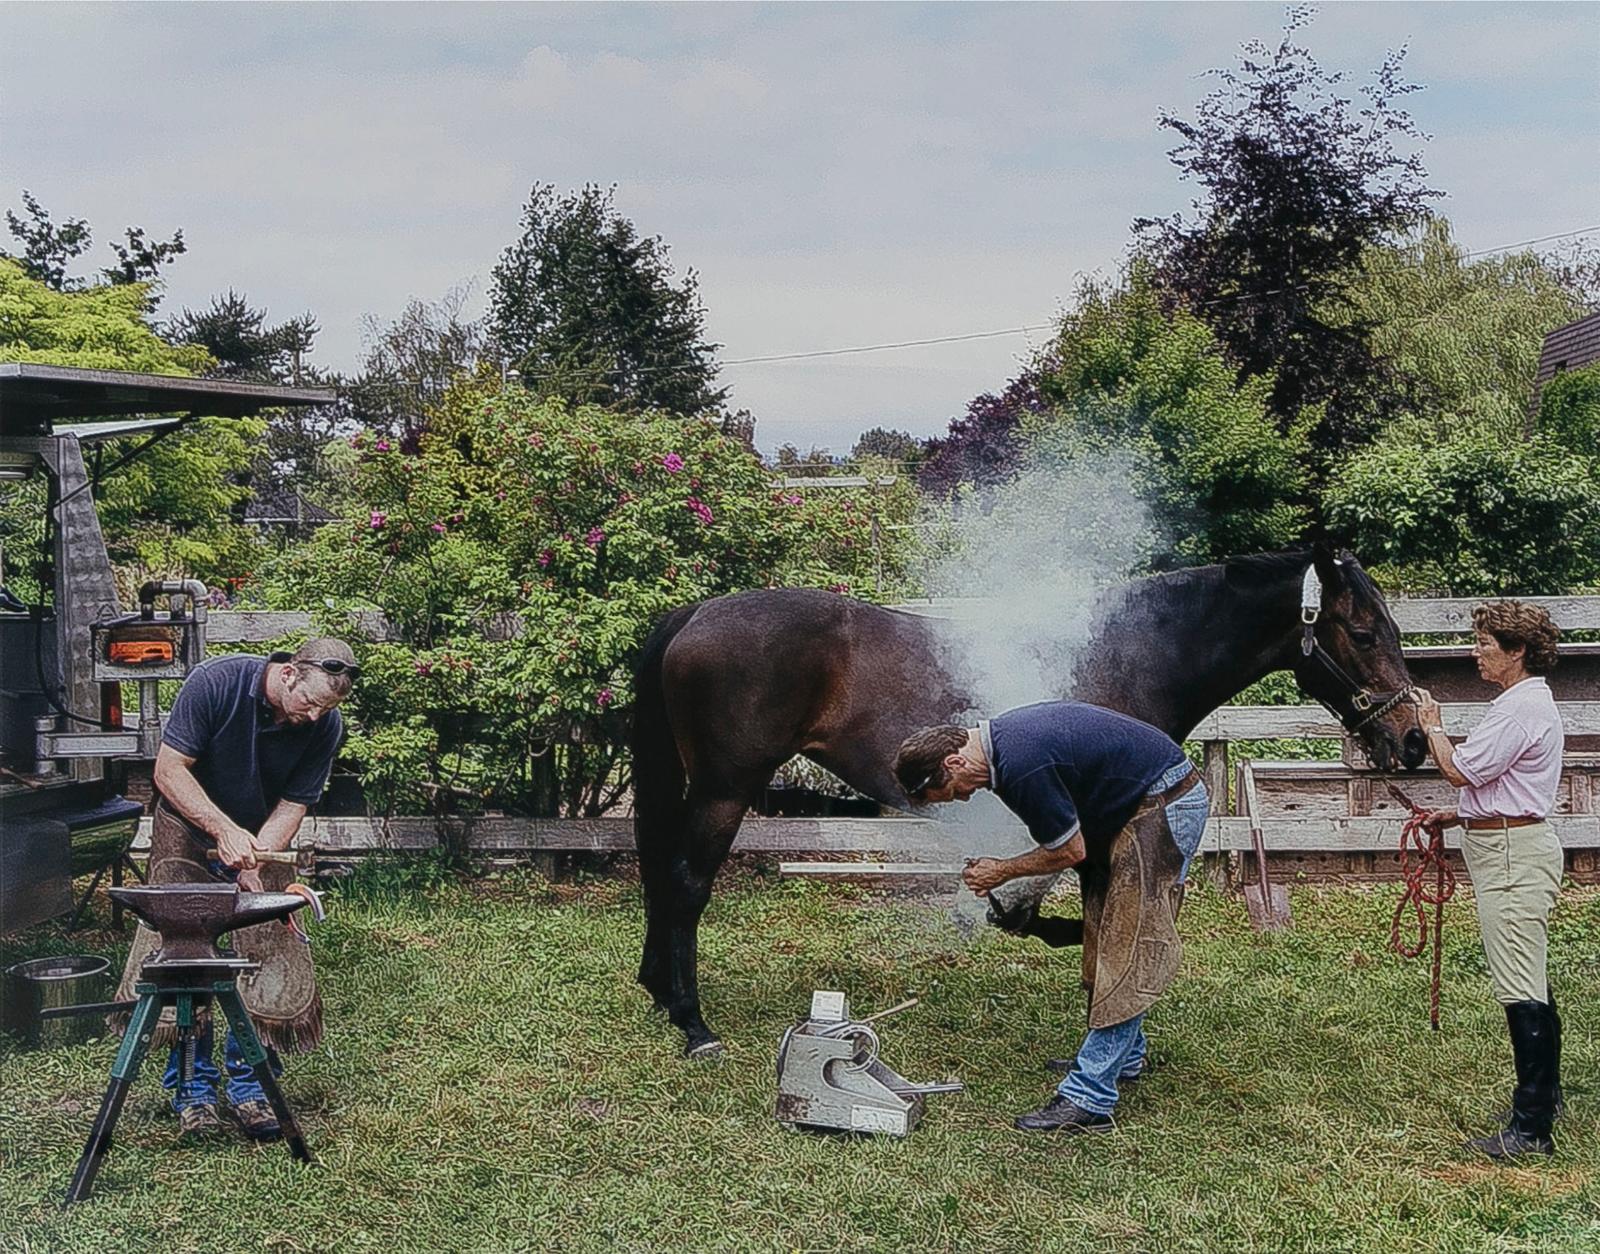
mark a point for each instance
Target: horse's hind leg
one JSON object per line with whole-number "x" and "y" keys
{"x": 654, "y": 971}
{"x": 711, "y": 826}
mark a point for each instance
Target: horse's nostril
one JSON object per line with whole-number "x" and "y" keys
{"x": 1414, "y": 748}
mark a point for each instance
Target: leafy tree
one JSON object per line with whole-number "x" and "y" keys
{"x": 412, "y": 362}
{"x": 816, "y": 460}
{"x": 740, "y": 426}
{"x": 1465, "y": 334}
{"x": 523, "y": 550}
{"x": 1205, "y": 453}
{"x": 1472, "y": 516}
{"x": 1569, "y": 410}
{"x": 588, "y": 311}
{"x": 893, "y": 446}
{"x": 100, "y": 328}
{"x": 49, "y": 249}
{"x": 169, "y": 512}
{"x": 140, "y": 259}
{"x": 1298, "y": 183}
{"x": 982, "y": 447}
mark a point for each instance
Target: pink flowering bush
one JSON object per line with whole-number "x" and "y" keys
{"x": 522, "y": 552}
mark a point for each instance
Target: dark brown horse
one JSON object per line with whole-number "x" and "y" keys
{"x": 729, "y": 690}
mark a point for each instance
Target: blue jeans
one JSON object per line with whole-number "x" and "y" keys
{"x": 201, "y": 1088}
{"x": 1116, "y": 1053}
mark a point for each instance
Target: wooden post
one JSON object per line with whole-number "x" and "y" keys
{"x": 1214, "y": 771}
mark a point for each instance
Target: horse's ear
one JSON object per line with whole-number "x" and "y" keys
{"x": 1329, "y": 563}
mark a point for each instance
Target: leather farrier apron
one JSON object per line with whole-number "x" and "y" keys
{"x": 1131, "y": 948}
{"x": 282, "y": 995}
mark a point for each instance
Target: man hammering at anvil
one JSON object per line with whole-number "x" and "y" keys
{"x": 1116, "y": 799}
{"x": 248, "y": 746}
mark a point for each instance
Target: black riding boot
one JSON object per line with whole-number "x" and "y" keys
{"x": 1555, "y": 1020}
{"x": 1503, "y": 1114}
{"x": 1533, "y": 1046}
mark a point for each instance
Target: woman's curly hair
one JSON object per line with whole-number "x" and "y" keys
{"x": 1515, "y": 625}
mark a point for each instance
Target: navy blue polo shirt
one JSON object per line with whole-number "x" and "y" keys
{"x": 1062, "y": 765}
{"x": 245, "y": 761}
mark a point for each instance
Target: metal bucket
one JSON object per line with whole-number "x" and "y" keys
{"x": 40, "y": 984}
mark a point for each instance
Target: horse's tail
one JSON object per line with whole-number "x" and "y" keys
{"x": 658, "y": 775}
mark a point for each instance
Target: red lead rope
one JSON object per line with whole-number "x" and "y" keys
{"x": 1417, "y": 856}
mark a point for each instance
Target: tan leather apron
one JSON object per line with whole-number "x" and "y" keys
{"x": 282, "y": 995}
{"x": 1131, "y": 948}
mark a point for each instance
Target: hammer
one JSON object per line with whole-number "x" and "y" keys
{"x": 301, "y": 859}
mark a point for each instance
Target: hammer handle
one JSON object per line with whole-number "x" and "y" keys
{"x": 286, "y": 856}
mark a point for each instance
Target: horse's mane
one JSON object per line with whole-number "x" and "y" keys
{"x": 1251, "y": 570}
{"x": 1266, "y": 566}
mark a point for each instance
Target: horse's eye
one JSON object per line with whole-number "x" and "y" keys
{"x": 1365, "y": 639}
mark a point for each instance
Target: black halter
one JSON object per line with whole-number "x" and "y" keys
{"x": 1365, "y": 707}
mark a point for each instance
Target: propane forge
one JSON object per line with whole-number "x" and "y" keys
{"x": 187, "y": 972}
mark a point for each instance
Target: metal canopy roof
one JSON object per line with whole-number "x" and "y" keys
{"x": 34, "y": 398}
{"x": 93, "y": 432}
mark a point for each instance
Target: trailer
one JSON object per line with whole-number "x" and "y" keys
{"x": 65, "y": 658}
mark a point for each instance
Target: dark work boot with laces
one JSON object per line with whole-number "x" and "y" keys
{"x": 1061, "y": 1114}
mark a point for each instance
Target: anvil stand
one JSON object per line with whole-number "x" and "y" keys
{"x": 187, "y": 984}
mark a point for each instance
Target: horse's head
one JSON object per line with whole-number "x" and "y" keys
{"x": 1350, "y": 660}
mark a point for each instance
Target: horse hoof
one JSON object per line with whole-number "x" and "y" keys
{"x": 705, "y": 1050}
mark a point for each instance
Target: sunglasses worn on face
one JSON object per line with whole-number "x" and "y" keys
{"x": 330, "y": 664}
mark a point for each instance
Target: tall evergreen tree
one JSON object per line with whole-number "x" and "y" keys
{"x": 588, "y": 311}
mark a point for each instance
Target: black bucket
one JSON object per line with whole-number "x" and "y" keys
{"x": 30, "y": 988}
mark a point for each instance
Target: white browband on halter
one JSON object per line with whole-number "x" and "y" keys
{"x": 1311, "y": 592}
{"x": 1310, "y": 595}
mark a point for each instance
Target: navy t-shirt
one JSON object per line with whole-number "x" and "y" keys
{"x": 1060, "y": 765}
{"x": 245, "y": 761}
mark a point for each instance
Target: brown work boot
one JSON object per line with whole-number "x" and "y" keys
{"x": 257, "y": 1120}
{"x": 199, "y": 1120}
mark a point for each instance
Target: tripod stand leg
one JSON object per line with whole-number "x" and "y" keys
{"x": 135, "y": 1043}
{"x": 244, "y": 1032}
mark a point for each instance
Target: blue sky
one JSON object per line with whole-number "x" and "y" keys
{"x": 837, "y": 175}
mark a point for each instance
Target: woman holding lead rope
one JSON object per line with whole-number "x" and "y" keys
{"x": 1508, "y": 771}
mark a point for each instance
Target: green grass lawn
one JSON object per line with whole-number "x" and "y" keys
{"x": 493, "y": 1079}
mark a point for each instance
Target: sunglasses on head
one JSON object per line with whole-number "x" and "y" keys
{"x": 330, "y": 664}
{"x": 927, "y": 782}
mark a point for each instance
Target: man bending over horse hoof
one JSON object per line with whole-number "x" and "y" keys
{"x": 1117, "y": 800}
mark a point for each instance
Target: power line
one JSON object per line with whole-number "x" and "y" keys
{"x": 875, "y": 348}
{"x": 1543, "y": 239}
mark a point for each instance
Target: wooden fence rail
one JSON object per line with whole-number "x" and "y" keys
{"x": 916, "y": 839}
